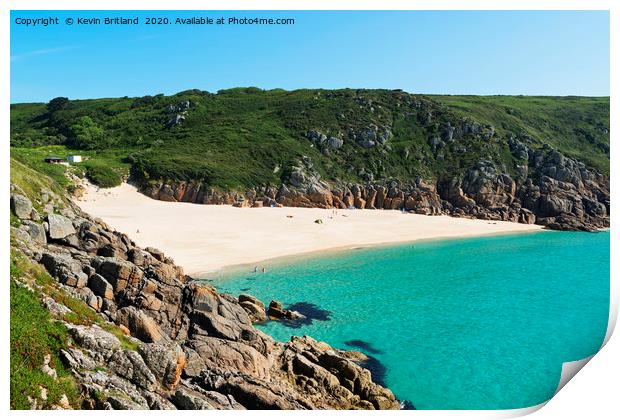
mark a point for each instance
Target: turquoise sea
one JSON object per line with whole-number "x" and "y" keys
{"x": 481, "y": 323}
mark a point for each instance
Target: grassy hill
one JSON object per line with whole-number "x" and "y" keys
{"x": 37, "y": 333}
{"x": 247, "y": 137}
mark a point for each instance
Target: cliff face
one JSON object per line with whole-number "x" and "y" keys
{"x": 528, "y": 159}
{"x": 549, "y": 189}
{"x": 186, "y": 346}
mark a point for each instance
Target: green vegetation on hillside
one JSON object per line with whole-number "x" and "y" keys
{"x": 34, "y": 332}
{"x": 33, "y": 336}
{"x": 27, "y": 166}
{"x": 246, "y": 137}
{"x": 105, "y": 168}
{"x": 578, "y": 126}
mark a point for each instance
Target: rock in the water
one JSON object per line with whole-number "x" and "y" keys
{"x": 276, "y": 309}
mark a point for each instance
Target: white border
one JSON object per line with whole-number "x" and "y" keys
{"x": 595, "y": 390}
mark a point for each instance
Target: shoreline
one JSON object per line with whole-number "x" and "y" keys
{"x": 206, "y": 239}
{"x": 233, "y": 269}
{"x": 291, "y": 258}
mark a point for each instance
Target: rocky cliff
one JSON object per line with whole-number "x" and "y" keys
{"x": 182, "y": 344}
{"x": 538, "y": 159}
{"x": 549, "y": 189}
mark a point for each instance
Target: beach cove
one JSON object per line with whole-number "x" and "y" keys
{"x": 453, "y": 313}
{"x": 207, "y": 238}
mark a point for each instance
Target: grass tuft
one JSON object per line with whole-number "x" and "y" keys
{"x": 33, "y": 336}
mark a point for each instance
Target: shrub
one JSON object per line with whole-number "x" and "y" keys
{"x": 103, "y": 176}
{"x": 57, "y": 104}
{"x": 86, "y": 134}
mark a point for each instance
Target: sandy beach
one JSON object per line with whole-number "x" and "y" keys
{"x": 203, "y": 238}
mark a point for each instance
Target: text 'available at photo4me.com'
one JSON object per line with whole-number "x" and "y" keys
{"x": 152, "y": 20}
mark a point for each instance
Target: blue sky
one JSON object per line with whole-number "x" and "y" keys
{"x": 442, "y": 52}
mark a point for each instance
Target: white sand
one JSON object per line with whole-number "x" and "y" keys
{"x": 206, "y": 238}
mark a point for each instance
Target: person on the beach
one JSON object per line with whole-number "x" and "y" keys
{"x": 256, "y": 269}
{"x": 264, "y": 270}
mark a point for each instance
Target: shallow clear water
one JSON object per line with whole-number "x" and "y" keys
{"x": 479, "y": 323}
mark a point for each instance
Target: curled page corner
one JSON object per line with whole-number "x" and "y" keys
{"x": 613, "y": 312}
{"x": 519, "y": 412}
{"x": 570, "y": 369}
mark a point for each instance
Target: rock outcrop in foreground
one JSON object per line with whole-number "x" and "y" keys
{"x": 191, "y": 347}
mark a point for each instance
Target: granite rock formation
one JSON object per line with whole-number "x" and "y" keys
{"x": 549, "y": 189}
{"x": 192, "y": 347}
